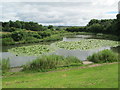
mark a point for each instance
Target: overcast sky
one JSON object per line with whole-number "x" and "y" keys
{"x": 59, "y": 12}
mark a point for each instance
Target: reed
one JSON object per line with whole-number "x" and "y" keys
{"x": 47, "y": 62}
{"x": 5, "y": 65}
{"x": 104, "y": 57}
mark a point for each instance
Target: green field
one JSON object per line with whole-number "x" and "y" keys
{"x": 105, "y": 76}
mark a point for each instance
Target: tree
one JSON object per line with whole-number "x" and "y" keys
{"x": 93, "y": 21}
{"x": 11, "y": 23}
{"x": 17, "y": 24}
{"x": 18, "y": 35}
{"x": 50, "y": 27}
{"x": 6, "y": 24}
{"x": 97, "y": 28}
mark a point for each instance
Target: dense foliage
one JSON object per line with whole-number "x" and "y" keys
{"x": 47, "y": 62}
{"x": 108, "y": 26}
{"x": 104, "y": 57}
{"x": 24, "y": 36}
{"x": 28, "y": 32}
{"x": 14, "y": 25}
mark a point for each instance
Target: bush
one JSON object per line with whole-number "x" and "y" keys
{"x": 34, "y": 34}
{"x": 5, "y": 65}
{"x": 6, "y": 35}
{"x": 31, "y": 40}
{"x": 18, "y": 35}
{"x": 7, "y": 41}
{"x": 53, "y": 38}
{"x": 103, "y": 57}
{"x": 44, "y": 62}
{"x": 44, "y": 33}
{"x": 96, "y": 28}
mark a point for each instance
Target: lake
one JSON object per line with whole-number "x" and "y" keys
{"x": 16, "y": 61}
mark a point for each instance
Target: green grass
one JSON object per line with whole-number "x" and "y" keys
{"x": 105, "y": 76}
{"x": 47, "y": 62}
{"x": 55, "y": 37}
{"x": 5, "y": 65}
{"x": 103, "y": 56}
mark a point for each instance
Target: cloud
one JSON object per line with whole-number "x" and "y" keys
{"x": 59, "y": 13}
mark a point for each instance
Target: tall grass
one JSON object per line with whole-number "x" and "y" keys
{"x": 7, "y": 41}
{"x": 47, "y": 62}
{"x": 103, "y": 57}
{"x": 55, "y": 37}
{"x": 5, "y": 65}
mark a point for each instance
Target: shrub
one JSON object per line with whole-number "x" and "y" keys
{"x": 5, "y": 65}
{"x": 47, "y": 62}
{"x": 72, "y": 60}
{"x": 31, "y": 39}
{"x": 45, "y": 33}
{"x": 7, "y": 41}
{"x": 6, "y": 35}
{"x": 97, "y": 28}
{"x": 34, "y": 34}
{"x": 18, "y": 35}
{"x": 53, "y": 38}
{"x": 103, "y": 57}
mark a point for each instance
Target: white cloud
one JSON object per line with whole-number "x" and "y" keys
{"x": 78, "y": 12}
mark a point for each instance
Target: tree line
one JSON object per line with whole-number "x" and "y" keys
{"x": 108, "y": 26}
{"x": 26, "y": 32}
{"x": 14, "y": 25}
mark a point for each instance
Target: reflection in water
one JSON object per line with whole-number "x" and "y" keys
{"x": 76, "y": 37}
{"x": 81, "y": 54}
{"x": 17, "y": 60}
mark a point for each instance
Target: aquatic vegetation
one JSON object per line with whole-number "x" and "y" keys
{"x": 5, "y": 65}
{"x": 46, "y": 62}
{"x": 103, "y": 57}
{"x": 85, "y": 44}
{"x": 32, "y": 50}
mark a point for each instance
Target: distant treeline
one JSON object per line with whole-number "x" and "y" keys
{"x": 27, "y": 32}
{"x": 33, "y": 26}
{"x": 108, "y": 26}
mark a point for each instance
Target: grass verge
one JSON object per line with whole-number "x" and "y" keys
{"x": 105, "y": 76}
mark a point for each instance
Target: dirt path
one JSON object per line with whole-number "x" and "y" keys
{"x": 87, "y": 63}
{"x": 82, "y": 67}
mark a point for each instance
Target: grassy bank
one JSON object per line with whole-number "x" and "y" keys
{"x": 104, "y": 57}
{"x": 7, "y": 40}
{"x": 37, "y": 37}
{"x": 48, "y": 62}
{"x": 105, "y": 76}
{"x": 5, "y": 65}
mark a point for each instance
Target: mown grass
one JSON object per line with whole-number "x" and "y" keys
{"x": 105, "y": 76}
{"x": 47, "y": 62}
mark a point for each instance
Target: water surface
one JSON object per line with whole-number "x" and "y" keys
{"x": 81, "y": 54}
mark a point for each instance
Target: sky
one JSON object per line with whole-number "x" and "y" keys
{"x": 58, "y": 12}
